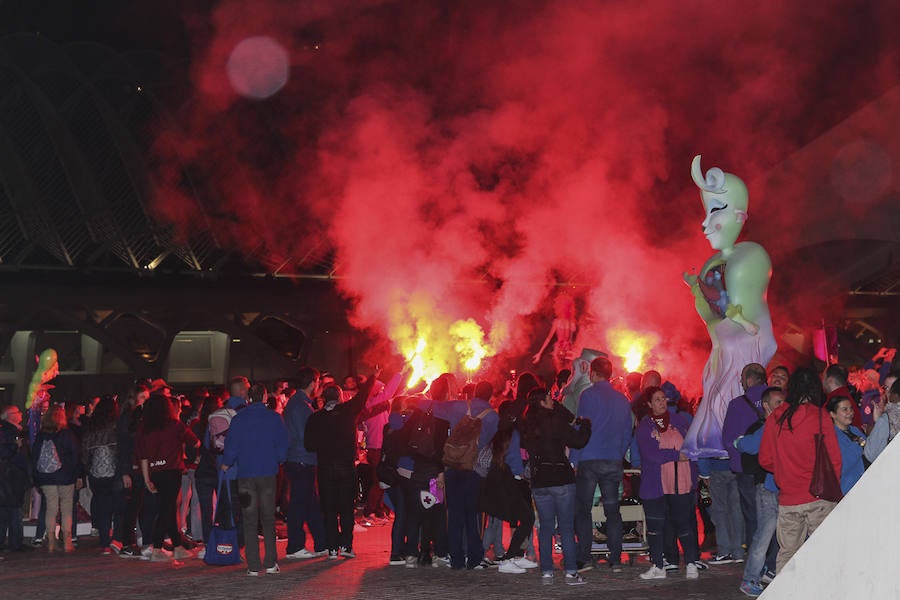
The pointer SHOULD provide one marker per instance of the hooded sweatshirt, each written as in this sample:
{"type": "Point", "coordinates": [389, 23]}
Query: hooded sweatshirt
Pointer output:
{"type": "Point", "coordinates": [790, 452]}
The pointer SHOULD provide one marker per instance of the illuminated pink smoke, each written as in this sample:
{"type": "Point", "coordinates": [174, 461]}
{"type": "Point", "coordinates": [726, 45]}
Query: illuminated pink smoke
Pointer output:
{"type": "Point", "coordinates": [479, 154]}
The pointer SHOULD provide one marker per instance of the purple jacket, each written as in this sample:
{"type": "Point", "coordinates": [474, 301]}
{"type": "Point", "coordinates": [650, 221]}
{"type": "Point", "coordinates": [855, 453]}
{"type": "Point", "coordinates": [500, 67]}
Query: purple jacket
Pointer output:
{"type": "Point", "coordinates": [738, 418]}
{"type": "Point", "coordinates": [653, 458]}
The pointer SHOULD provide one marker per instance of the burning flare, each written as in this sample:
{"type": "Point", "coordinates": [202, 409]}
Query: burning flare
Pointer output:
{"type": "Point", "coordinates": [631, 346]}
{"type": "Point", "coordinates": [433, 344]}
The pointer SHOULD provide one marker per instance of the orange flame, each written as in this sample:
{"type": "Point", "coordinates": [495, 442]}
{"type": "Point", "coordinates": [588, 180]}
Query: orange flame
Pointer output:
{"type": "Point", "coordinates": [631, 346]}
{"type": "Point", "coordinates": [432, 343]}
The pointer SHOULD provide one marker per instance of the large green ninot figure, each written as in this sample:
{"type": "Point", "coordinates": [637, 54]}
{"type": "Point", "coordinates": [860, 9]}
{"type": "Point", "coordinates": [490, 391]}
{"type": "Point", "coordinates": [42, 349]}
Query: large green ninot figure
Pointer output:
{"type": "Point", "coordinates": [730, 297]}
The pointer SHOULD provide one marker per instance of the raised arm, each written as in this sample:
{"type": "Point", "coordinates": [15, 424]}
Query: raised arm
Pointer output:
{"type": "Point", "coordinates": [537, 357]}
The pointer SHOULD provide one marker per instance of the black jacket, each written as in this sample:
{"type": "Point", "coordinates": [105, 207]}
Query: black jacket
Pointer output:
{"type": "Point", "coordinates": [331, 434]}
{"type": "Point", "coordinates": [547, 433]}
{"type": "Point", "coordinates": [15, 466]}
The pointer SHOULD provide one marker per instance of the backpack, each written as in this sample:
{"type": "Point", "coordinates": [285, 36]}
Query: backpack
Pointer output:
{"type": "Point", "coordinates": [483, 462]}
{"type": "Point", "coordinates": [48, 461]}
{"type": "Point", "coordinates": [219, 423]}
{"type": "Point", "coordinates": [461, 448]}
{"type": "Point", "coordinates": [421, 438]}
{"type": "Point", "coordinates": [103, 462]}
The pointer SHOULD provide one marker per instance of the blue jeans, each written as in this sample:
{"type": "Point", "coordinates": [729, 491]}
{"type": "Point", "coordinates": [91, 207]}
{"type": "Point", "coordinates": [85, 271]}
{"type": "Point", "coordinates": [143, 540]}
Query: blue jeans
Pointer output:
{"type": "Point", "coordinates": [462, 492]}
{"type": "Point", "coordinates": [726, 514]}
{"type": "Point", "coordinates": [556, 510]}
{"type": "Point", "coordinates": [493, 536]}
{"type": "Point", "coordinates": [398, 529]}
{"type": "Point", "coordinates": [747, 491]}
{"type": "Point", "coordinates": [676, 508]}
{"type": "Point", "coordinates": [767, 519]}
{"type": "Point", "coordinates": [303, 507]}
{"type": "Point", "coordinates": [608, 475]}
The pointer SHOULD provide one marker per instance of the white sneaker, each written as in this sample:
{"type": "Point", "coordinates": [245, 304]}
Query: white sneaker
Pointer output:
{"type": "Point", "coordinates": [440, 561]}
{"type": "Point", "coordinates": [160, 555]}
{"type": "Point", "coordinates": [654, 572]}
{"type": "Point", "coordinates": [547, 578]}
{"type": "Point", "coordinates": [202, 554]}
{"type": "Point", "coordinates": [302, 553]}
{"type": "Point", "coordinates": [274, 570]}
{"type": "Point", "coordinates": [574, 579]}
{"type": "Point", "coordinates": [509, 566]}
{"type": "Point", "coordinates": [691, 571]}
{"type": "Point", "coordinates": [525, 563]}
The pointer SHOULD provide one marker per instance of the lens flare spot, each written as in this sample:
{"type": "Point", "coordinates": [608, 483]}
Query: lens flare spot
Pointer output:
{"type": "Point", "coordinates": [258, 67]}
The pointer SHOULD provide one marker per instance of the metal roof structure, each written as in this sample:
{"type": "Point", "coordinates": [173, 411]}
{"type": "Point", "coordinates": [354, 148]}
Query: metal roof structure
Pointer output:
{"type": "Point", "coordinates": [76, 214]}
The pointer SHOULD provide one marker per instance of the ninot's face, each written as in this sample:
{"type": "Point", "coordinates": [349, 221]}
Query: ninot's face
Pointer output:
{"type": "Point", "coordinates": [722, 224]}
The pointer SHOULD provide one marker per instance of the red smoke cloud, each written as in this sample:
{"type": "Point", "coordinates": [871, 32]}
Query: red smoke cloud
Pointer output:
{"type": "Point", "coordinates": [471, 156]}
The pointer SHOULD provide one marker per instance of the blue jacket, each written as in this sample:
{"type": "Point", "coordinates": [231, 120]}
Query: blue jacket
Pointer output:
{"type": "Point", "coordinates": [296, 414]}
{"type": "Point", "coordinates": [749, 444]}
{"type": "Point", "coordinates": [257, 442]}
{"type": "Point", "coordinates": [513, 458]}
{"type": "Point", "coordinates": [611, 423]}
{"type": "Point", "coordinates": [738, 418]}
{"type": "Point", "coordinates": [852, 466]}
{"type": "Point", "coordinates": [454, 410]}
{"type": "Point", "coordinates": [707, 465]}
{"type": "Point", "coordinates": [235, 403]}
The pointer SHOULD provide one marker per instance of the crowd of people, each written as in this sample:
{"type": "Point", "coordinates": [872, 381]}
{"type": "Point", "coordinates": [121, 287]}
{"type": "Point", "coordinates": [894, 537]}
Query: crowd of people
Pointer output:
{"type": "Point", "coordinates": [447, 467]}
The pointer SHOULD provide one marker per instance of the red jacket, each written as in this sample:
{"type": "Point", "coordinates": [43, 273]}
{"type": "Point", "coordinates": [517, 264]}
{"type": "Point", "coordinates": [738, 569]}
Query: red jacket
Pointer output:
{"type": "Point", "coordinates": [791, 453]}
{"type": "Point", "coordinates": [164, 449]}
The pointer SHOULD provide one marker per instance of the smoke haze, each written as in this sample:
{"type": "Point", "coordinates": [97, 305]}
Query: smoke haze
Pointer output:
{"type": "Point", "coordinates": [467, 160]}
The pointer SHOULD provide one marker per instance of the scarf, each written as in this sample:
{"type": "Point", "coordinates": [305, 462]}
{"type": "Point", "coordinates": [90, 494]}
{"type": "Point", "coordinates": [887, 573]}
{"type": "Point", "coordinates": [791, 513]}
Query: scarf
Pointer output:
{"type": "Point", "coordinates": [892, 411]}
{"type": "Point", "coordinates": [661, 422]}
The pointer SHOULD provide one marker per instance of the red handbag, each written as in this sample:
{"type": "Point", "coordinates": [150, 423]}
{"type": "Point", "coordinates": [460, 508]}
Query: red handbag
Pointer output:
{"type": "Point", "coordinates": [825, 484]}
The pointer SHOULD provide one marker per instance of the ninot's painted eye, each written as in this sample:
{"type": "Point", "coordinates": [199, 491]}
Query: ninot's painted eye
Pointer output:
{"type": "Point", "coordinates": [717, 208]}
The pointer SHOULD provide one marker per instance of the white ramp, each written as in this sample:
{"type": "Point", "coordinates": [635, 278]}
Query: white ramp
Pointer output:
{"type": "Point", "coordinates": [855, 553]}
